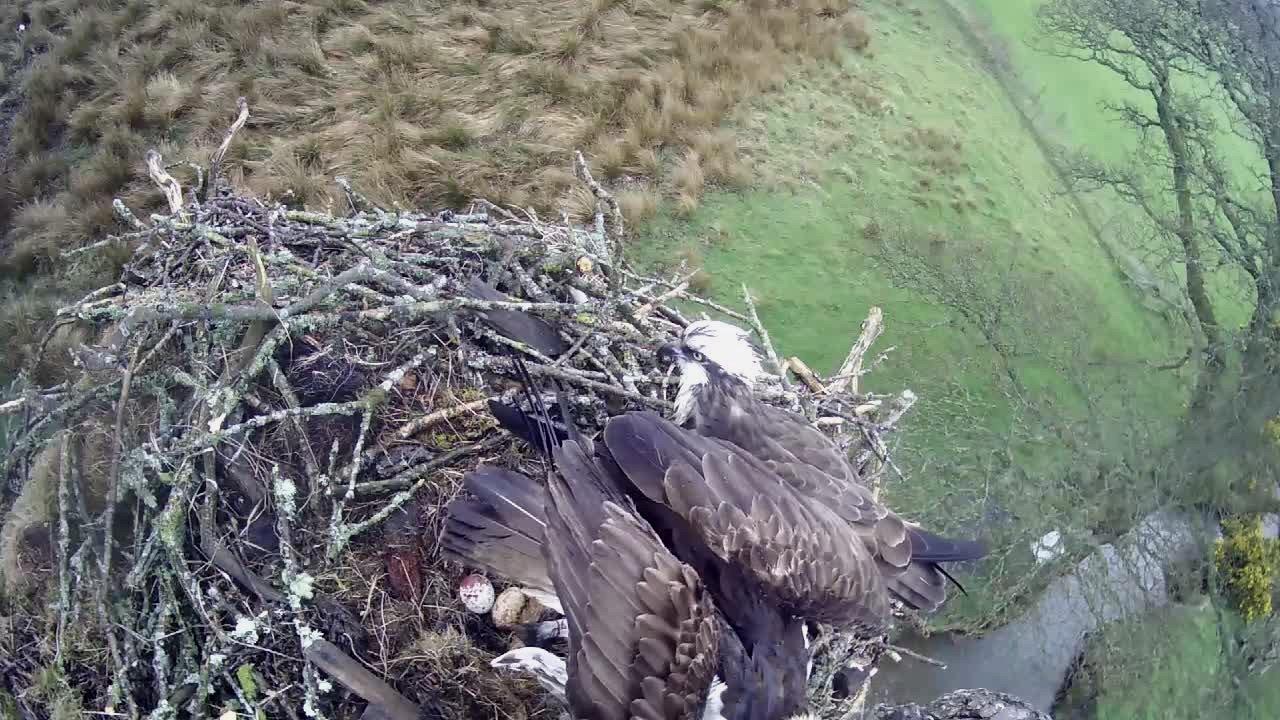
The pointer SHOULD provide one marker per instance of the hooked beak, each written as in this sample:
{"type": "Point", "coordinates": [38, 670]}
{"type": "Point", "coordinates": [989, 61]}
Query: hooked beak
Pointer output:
{"type": "Point", "coordinates": [670, 353]}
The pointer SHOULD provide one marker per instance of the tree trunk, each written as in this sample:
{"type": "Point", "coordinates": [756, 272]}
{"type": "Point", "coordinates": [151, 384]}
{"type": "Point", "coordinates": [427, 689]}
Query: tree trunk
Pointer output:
{"type": "Point", "coordinates": [1264, 316]}
{"type": "Point", "coordinates": [1184, 227]}
{"type": "Point", "coordinates": [1271, 148]}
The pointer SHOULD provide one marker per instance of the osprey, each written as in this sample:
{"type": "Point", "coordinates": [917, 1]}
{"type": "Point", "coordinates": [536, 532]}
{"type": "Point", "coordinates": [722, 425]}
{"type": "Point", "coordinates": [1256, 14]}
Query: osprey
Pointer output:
{"type": "Point", "coordinates": [717, 366]}
{"type": "Point", "coordinates": [659, 537]}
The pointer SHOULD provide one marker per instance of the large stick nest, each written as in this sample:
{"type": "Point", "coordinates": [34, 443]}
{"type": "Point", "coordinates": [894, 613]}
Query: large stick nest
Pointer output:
{"type": "Point", "coordinates": [274, 407]}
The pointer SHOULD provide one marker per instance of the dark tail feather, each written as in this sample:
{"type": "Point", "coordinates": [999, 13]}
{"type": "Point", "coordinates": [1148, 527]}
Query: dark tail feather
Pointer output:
{"type": "Point", "coordinates": [515, 325]}
{"type": "Point", "coordinates": [951, 579]}
{"type": "Point", "coordinates": [529, 428]}
{"type": "Point", "coordinates": [934, 548]}
{"type": "Point", "coordinates": [539, 428]}
{"type": "Point", "coordinates": [923, 585]}
{"type": "Point", "coordinates": [500, 529]}
{"type": "Point", "coordinates": [547, 436]}
{"type": "Point", "coordinates": [566, 414]}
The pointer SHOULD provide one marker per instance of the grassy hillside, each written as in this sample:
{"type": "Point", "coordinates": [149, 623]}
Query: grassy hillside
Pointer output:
{"type": "Point", "coordinates": [429, 104]}
{"type": "Point", "coordinates": [1069, 92]}
{"type": "Point", "coordinates": [1166, 667]}
{"type": "Point", "coordinates": [905, 178]}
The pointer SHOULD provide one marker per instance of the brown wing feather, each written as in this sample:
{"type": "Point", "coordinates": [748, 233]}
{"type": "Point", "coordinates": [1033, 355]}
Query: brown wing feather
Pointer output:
{"type": "Point", "coordinates": [810, 462]}
{"type": "Point", "coordinates": [643, 633]}
{"type": "Point", "coordinates": [499, 527]}
{"type": "Point", "coordinates": [808, 558]}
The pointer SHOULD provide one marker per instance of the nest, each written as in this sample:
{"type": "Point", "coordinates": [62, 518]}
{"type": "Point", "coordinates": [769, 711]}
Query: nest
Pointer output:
{"type": "Point", "coordinates": [244, 482]}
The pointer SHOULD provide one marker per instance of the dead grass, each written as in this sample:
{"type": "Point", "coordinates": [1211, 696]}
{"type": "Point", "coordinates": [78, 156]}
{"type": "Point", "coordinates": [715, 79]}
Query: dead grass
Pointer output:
{"type": "Point", "coordinates": [438, 653]}
{"type": "Point", "coordinates": [718, 153]}
{"type": "Point", "coordinates": [942, 154]}
{"type": "Point", "coordinates": [688, 260]}
{"type": "Point", "coordinates": [689, 179]}
{"type": "Point", "coordinates": [859, 32]}
{"type": "Point", "coordinates": [419, 106]}
{"type": "Point", "coordinates": [415, 105]}
{"type": "Point", "coordinates": [868, 98]}
{"type": "Point", "coordinates": [700, 281]}
{"type": "Point", "coordinates": [638, 205]}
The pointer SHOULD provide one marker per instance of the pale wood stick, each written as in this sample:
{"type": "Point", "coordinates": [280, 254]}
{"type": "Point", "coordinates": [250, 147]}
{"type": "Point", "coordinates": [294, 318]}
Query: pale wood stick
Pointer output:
{"type": "Point", "coordinates": [915, 655]}
{"type": "Point", "coordinates": [846, 379]}
{"type": "Point", "coordinates": [167, 184]}
{"type": "Point", "coordinates": [806, 374]}
{"type": "Point", "coordinates": [764, 337]}
{"type": "Point", "coordinates": [444, 414]}
{"type": "Point", "coordinates": [583, 172]}
{"type": "Point", "coordinates": [679, 288]}
{"type": "Point", "coordinates": [215, 162]}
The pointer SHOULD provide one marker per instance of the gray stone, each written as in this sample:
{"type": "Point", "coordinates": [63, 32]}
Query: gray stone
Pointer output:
{"type": "Point", "coordinates": [1029, 658]}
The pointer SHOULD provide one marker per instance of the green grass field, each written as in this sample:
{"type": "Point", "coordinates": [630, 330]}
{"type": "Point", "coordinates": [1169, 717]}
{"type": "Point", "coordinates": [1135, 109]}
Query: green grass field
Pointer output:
{"type": "Point", "coordinates": [903, 178]}
{"type": "Point", "coordinates": [1168, 667]}
{"type": "Point", "coordinates": [1068, 91]}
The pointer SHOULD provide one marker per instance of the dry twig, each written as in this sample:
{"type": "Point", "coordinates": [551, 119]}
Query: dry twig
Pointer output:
{"type": "Point", "coordinates": [168, 185]}
{"type": "Point", "coordinates": [764, 337]}
{"type": "Point", "coordinates": [846, 379]}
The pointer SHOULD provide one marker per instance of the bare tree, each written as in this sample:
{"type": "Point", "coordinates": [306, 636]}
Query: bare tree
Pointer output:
{"type": "Point", "coordinates": [1166, 50]}
{"type": "Point", "coordinates": [1229, 49]}
{"type": "Point", "coordinates": [1129, 38]}
{"type": "Point", "coordinates": [1239, 42]}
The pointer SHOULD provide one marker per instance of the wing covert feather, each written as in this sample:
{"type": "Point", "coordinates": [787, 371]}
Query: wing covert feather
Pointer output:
{"type": "Point", "coordinates": [811, 463]}
{"type": "Point", "coordinates": [814, 563]}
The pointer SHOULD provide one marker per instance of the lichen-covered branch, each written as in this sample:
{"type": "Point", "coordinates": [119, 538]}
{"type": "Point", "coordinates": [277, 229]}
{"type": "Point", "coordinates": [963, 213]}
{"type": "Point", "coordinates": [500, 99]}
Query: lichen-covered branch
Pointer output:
{"type": "Point", "coordinates": [764, 337]}
{"type": "Point", "coordinates": [963, 705]}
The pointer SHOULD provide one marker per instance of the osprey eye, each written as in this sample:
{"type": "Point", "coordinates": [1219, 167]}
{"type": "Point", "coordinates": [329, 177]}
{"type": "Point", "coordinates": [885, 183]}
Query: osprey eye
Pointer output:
{"type": "Point", "coordinates": [699, 356]}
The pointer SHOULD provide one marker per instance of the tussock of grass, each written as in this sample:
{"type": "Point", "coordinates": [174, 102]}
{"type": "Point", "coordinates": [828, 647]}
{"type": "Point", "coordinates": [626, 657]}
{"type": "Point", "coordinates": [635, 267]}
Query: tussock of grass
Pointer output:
{"type": "Point", "coordinates": [941, 152]}
{"type": "Point", "coordinates": [718, 152]}
{"type": "Point", "coordinates": [578, 203]}
{"type": "Point", "coordinates": [689, 180]}
{"type": "Point", "coordinates": [859, 32]}
{"type": "Point", "coordinates": [638, 205]}
{"type": "Point", "coordinates": [415, 105]}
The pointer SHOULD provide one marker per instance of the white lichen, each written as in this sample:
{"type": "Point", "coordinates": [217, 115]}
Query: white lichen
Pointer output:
{"type": "Point", "coordinates": [311, 695]}
{"type": "Point", "coordinates": [301, 586]}
{"type": "Point", "coordinates": [246, 630]}
{"type": "Point", "coordinates": [307, 635]}
{"type": "Point", "coordinates": [163, 711]}
{"type": "Point", "coordinates": [286, 492]}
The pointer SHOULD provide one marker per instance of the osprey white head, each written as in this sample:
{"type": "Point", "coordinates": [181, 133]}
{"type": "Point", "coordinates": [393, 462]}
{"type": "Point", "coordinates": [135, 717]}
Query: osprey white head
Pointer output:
{"type": "Point", "coordinates": [707, 342]}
